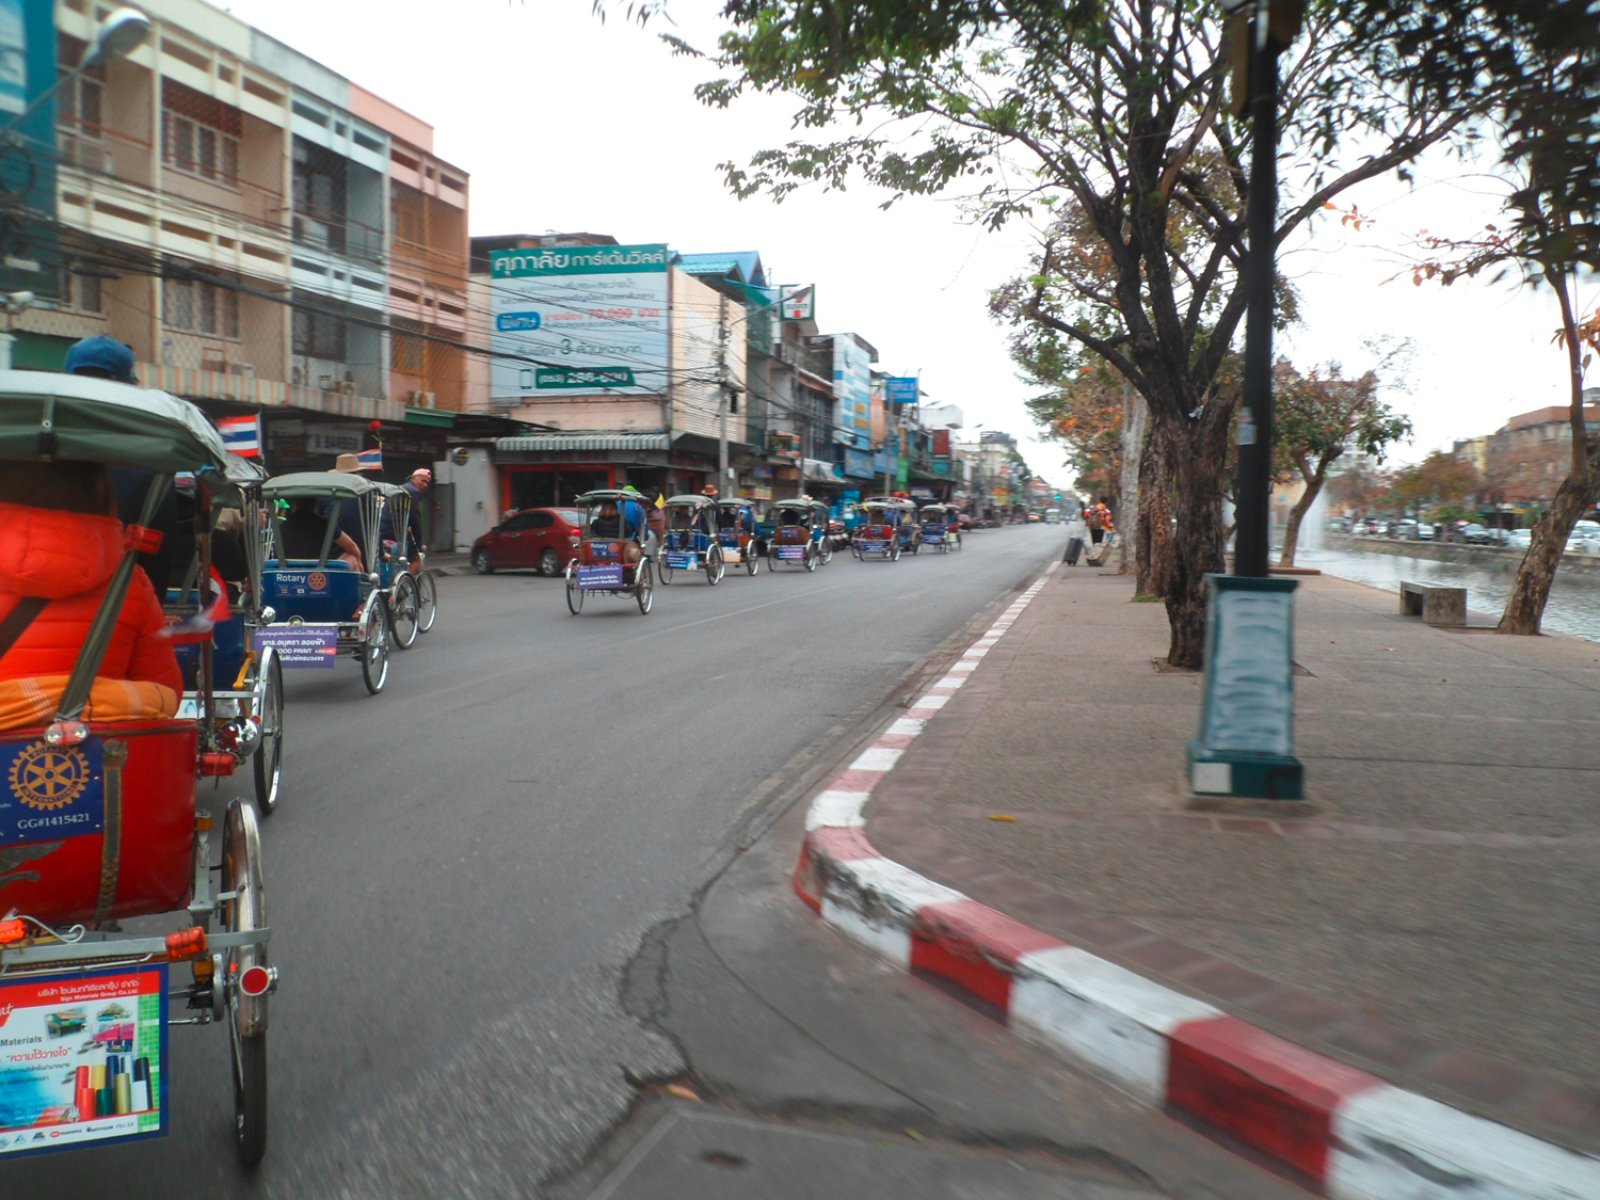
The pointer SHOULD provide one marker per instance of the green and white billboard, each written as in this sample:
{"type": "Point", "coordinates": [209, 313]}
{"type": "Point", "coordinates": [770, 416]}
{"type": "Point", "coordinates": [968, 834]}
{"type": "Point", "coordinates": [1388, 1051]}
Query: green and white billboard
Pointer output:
{"type": "Point", "coordinates": [579, 319]}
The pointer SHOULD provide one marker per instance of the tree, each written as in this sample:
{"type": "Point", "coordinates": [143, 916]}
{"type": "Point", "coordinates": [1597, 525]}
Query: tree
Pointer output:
{"type": "Point", "coordinates": [1438, 479]}
{"type": "Point", "coordinates": [1115, 110]}
{"type": "Point", "coordinates": [1316, 420]}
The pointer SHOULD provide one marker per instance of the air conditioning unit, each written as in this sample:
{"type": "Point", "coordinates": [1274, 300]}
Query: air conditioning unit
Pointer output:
{"type": "Point", "coordinates": [420, 399]}
{"type": "Point", "coordinates": [243, 368]}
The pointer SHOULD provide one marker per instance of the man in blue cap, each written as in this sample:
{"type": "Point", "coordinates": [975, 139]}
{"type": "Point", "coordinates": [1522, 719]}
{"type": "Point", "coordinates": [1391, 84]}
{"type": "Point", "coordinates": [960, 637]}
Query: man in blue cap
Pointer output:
{"type": "Point", "coordinates": [103, 357]}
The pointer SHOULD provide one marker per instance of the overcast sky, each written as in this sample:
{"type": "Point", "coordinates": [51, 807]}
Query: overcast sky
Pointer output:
{"type": "Point", "coordinates": [567, 124]}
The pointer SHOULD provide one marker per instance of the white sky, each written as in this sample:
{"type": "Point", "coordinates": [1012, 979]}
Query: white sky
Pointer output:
{"type": "Point", "coordinates": [565, 123]}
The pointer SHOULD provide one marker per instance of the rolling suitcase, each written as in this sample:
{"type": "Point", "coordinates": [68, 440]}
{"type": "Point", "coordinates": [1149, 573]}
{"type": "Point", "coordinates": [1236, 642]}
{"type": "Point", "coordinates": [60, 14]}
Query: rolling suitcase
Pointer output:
{"type": "Point", "coordinates": [1074, 549]}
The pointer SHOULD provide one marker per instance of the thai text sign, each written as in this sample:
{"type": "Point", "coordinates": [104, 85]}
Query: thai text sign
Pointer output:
{"type": "Point", "coordinates": [82, 1059]}
{"type": "Point", "coordinates": [301, 645]}
{"type": "Point", "coordinates": [579, 319]}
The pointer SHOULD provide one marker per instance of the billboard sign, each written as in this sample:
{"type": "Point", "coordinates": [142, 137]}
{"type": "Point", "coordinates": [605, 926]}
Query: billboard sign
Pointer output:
{"type": "Point", "coordinates": [30, 251]}
{"type": "Point", "coordinates": [579, 319]}
{"type": "Point", "coordinates": [800, 303]}
{"type": "Point", "coordinates": [852, 384]}
{"type": "Point", "coordinates": [902, 389]}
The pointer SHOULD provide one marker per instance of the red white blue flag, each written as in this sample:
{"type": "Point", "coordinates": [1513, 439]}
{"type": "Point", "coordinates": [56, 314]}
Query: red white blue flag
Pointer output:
{"type": "Point", "coordinates": [242, 435]}
{"type": "Point", "coordinates": [198, 628]}
{"type": "Point", "coordinates": [371, 460]}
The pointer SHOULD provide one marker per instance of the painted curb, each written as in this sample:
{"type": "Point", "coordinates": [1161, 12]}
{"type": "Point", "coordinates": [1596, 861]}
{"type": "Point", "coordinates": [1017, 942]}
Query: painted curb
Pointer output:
{"type": "Point", "coordinates": [1346, 1133]}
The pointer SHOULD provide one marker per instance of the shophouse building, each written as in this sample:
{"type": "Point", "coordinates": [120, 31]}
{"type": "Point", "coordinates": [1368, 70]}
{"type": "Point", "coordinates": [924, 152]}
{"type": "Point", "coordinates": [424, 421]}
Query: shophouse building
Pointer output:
{"type": "Point", "coordinates": [267, 236]}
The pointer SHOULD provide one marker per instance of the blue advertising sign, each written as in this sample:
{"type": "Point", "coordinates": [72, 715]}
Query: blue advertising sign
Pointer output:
{"type": "Point", "coordinates": [600, 579]}
{"type": "Point", "coordinates": [901, 389]}
{"type": "Point", "coordinates": [52, 792]}
{"type": "Point", "coordinates": [857, 465]}
{"type": "Point", "coordinates": [301, 645]}
{"type": "Point", "coordinates": [30, 252]}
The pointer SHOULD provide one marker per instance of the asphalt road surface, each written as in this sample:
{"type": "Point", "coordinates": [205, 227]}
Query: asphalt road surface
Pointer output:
{"type": "Point", "coordinates": [480, 880]}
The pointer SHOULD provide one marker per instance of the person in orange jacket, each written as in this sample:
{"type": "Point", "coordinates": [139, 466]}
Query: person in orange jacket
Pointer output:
{"type": "Point", "coordinates": [1098, 518]}
{"type": "Point", "coordinates": [60, 542]}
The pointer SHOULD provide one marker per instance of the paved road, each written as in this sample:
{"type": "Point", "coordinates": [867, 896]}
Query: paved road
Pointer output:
{"type": "Point", "coordinates": [462, 867]}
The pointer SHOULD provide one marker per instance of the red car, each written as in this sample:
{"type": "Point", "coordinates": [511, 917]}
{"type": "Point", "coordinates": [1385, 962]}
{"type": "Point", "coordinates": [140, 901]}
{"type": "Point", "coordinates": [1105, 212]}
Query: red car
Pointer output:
{"type": "Point", "coordinates": [542, 538]}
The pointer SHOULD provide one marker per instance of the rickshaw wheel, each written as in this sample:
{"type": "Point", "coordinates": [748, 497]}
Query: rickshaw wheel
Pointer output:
{"type": "Point", "coordinates": [427, 602]}
{"type": "Point", "coordinates": [809, 560]}
{"type": "Point", "coordinates": [895, 554]}
{"type": "Point", "coordinates": [752, 562]}
{"type": "Point", "coordinates": [375, 649]}
{"type": "Point", "coordinates": [403, 611]}
{"type": "Point", "coordinates": [827, 552]}
{"type": "Point", "coordinates": [247, 1016]}
{"type": "Point", "coordinates": [663, 567]}
{"type": "Point", "coordinates": [714, 567]}
{"type": "Point", "coordinates": [269, 754]}
{"type": "Point", "coordinates": [643, 590]}
{"type": "Point", "coordinates": [574, 593]}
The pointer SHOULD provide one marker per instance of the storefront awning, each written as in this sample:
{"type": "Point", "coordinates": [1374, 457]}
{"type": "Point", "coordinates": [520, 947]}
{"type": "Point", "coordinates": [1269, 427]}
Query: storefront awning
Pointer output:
{"type": "Point", "coordinates": [534, 443]}
{"type": "Point", "coordinates": [814, 470]}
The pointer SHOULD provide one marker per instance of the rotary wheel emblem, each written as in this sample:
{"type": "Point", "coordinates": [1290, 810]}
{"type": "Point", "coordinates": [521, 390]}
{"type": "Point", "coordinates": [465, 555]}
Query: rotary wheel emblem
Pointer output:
{"type": "Point", "coordinates": [316, 581]}
{"type": "Point", "coordinates": [46, 777]}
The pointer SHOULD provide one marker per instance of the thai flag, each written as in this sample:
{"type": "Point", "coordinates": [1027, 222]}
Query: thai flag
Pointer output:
{"type": "Point", "coordinates": [198, 628]}
{"type": "Point", "coordinates": [371, 460]}
{"type": "Point", "coordinates": [242, 435]}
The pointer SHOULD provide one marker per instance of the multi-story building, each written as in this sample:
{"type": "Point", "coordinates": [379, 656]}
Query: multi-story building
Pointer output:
{"type": "Point", "coordinates": [264, 233]}
{"type": "Point", "coordinates": [1526, 459]}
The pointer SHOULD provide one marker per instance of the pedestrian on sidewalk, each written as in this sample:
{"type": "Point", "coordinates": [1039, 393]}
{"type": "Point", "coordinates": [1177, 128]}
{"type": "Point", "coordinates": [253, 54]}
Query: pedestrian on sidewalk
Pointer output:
{"type": "Point", "coordinates": [1098, 518]}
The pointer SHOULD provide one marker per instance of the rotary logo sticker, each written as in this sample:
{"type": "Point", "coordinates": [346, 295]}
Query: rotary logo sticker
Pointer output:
{"type": "Point", "coordinates": [50, 791]}
{"type": "Point", "coordinates": [317, 581]}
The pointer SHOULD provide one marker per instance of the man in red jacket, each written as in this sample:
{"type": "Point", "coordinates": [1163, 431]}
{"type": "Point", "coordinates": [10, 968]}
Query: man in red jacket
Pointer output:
{"type": "Point", "coordinates": [59, 541]}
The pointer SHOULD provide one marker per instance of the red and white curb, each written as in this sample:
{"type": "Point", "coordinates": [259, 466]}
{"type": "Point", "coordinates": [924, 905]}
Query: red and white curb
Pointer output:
{"type": "Point", "coordinates": [1346, 1132]}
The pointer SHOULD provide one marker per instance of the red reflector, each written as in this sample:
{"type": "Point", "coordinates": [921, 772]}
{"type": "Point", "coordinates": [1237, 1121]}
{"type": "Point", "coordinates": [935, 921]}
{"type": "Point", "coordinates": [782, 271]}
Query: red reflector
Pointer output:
{"type": "Point", "coordinates": [255, 981]}
{"type": "Point", "coordinates": [216, 762]}
{"type": "Point", "coordinates": [12, 931]}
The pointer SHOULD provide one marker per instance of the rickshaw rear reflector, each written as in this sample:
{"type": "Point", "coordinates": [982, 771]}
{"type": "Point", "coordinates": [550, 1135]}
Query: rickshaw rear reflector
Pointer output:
{"type": "Point", "coordinates": [66, 733]}
{"type": "Point", "coordinates": [12, 931]}
{"type": "Point", "coordinates": [186, 943]}
{"type": "Point", "coordinates": [257, 980]}
{"type": "Point", "coordinates": [216, 762]}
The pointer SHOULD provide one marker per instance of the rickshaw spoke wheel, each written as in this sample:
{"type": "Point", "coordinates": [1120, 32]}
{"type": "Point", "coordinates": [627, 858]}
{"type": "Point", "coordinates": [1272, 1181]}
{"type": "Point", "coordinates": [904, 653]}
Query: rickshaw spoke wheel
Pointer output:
{"type": "Point", "coordinates": [574, 593]}
{"type": "Point", "coordinates": [375, 650]}
{"type": "Point", "coordinates": [404, 608]}
{"type": "Point", "coordinates": [644, 591]}
{"type": "Point", "coordinates": [427, 602]}
{"type": "Point", "coordinates": [810, 559]}
{"type": "Point", "coordinates": [269, 754]}
{"type": "Point", "coordinates": [241, 876]}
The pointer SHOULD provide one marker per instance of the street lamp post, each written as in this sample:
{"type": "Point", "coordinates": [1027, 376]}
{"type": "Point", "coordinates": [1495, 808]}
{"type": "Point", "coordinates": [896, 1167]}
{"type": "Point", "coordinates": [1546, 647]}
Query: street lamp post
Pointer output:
{"type": "Point", "coordinates": [1245, 747]}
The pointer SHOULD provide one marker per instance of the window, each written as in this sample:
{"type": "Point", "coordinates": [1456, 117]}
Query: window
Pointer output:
{"type": "Point", "coordinates": [406, 213]}
{"type": "Point", "coordinates": [194, 307]}
{"type": "Point", "coordinates": [199, 134]}
{"type": "Point", "coordinates": [541, 520]}
{"type": "Point", "coordinates": [406, 354]}
{"type": "Point", "coordinates": [85, 293]}
{"type": "Point", "coordinates": [318, 335]}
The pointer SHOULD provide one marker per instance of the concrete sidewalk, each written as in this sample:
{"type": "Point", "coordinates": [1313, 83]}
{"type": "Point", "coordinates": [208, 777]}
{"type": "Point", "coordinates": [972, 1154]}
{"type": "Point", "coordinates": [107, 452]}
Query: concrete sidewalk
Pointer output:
{"type": "Point", "coordinates": [1432, 926]}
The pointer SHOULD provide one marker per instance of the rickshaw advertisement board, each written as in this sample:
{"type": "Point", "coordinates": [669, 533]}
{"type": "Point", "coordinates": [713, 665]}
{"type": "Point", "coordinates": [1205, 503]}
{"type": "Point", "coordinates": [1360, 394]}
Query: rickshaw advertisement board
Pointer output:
{"type": "Point", "coordinates": [301, 645]}
{"type": "Point", "coordinates": [606, 578]}
{"type": "Point", "coordinates": [83, 1059]}
{"type": "Point", "coordinates": [51, 792]}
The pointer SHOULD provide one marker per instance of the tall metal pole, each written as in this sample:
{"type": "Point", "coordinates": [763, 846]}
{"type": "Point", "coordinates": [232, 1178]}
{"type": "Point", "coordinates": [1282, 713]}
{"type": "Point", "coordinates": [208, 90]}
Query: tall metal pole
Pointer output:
{"type": "Point", "coordinates": [1261, 220]}
{"type": "Point", "coordinates": [722, 399]}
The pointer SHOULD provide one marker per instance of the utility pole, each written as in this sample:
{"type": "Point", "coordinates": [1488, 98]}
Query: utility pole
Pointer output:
{"type": "Point", "coordinates": [724, 391]}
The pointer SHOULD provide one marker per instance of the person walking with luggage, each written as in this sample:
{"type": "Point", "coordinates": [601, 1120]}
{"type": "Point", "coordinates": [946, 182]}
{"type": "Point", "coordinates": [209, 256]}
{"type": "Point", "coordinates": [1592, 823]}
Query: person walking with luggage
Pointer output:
{"type": "Point", "coordinates": [1098, 518]}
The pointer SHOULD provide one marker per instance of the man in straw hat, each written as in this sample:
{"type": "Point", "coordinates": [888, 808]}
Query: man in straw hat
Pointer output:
{"type": "Point", "coordinates": [350, 531]}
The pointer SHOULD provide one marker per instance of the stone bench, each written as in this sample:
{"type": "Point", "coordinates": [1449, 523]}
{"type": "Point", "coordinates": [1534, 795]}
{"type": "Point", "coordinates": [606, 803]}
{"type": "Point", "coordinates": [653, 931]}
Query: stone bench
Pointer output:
{"type": "Point", "coordinates": [1435, 605]}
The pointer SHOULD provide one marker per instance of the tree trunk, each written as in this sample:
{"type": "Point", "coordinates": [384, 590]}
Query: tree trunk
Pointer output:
{"type": "Point", "coordinates": [1135, 420]}
{"type": "Point", "coordinates": [1155, 546]}
{"type": "Point", "coordinates": [1197, 465]}
{"type": "Point", "coordinates": [1531, 590]}
{"type": "Point", "coordinates": [1291, 531]}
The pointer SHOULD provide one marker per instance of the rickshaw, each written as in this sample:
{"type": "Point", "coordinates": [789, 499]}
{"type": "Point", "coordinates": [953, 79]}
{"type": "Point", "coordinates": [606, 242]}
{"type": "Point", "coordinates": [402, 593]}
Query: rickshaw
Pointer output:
{"type": "Point", "coordinates": [610, 554]}
{"type": "Point", "coordinates": [691, 542]}
{"type": "Point", "coordinates": [941, 527]}
{"type": "Point", "coordinates": [248, 696]}
{"type": "Point", "coordinates": [737, 535]}
{"type": "Point", "coordinates": [878, 535]}
{"type": "Point", "coordinates": [402, 588]}
{"type": "Point", "coordinates": [101, 823]}
{"type": "Point", "coordinates": [801, 534]}
{"type": "Point", "coordinates": [325, 607]}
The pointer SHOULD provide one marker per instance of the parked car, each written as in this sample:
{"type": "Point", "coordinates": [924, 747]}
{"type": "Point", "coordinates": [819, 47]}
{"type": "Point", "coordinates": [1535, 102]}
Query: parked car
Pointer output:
{"type": "Point", "coordinates": [1585, 538]}
{"type": "Point", "coordinates": [1520, 539]}
{"type": "Point", "coordinates": [545, 539]}
{"type": "Point", "coordinates": [1476, 535]}
{"type": "Point", "coordinates": [1422, 531]}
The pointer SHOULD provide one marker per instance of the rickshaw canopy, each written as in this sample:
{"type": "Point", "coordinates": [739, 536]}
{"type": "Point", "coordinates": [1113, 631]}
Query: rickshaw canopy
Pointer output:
{"type": "Point", "coordinates": [691, 500]}
{"type": "Point", "coordinates": [46, 417]}
{"type": "Point", "coordinates": [320, 484]}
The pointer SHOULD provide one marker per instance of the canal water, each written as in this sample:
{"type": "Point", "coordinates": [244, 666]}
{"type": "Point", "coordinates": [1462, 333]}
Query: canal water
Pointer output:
{"type": "Point", "coordinates": [1574, 606]}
